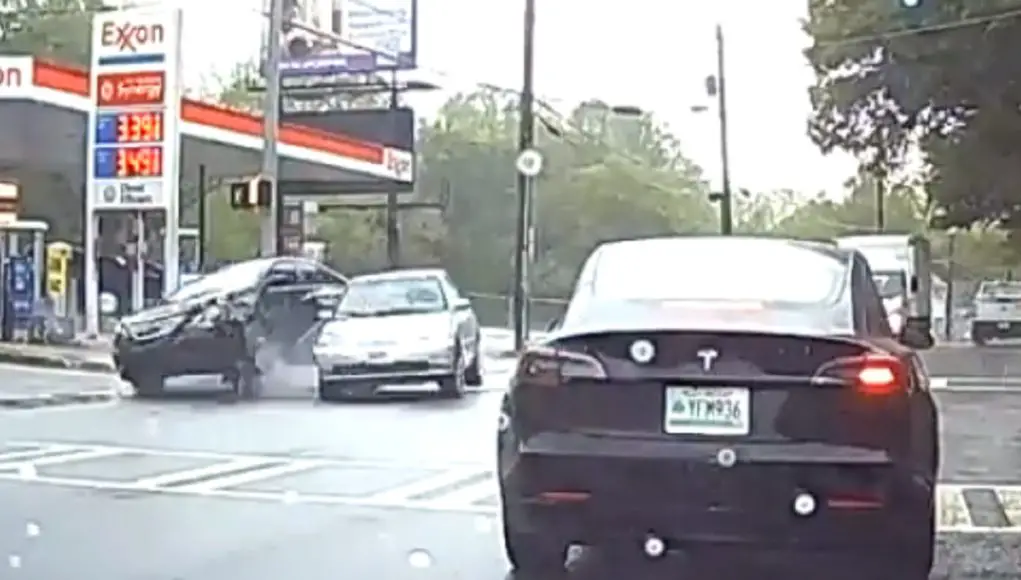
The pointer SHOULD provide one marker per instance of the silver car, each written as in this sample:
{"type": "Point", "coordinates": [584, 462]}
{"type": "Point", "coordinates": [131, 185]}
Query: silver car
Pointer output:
{"type": "Point", "coordinates": [398, 332]}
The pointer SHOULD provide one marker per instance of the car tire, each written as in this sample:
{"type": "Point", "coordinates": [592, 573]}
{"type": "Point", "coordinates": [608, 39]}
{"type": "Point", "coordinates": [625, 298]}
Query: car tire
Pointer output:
{"type": "Point", "coordinates": [453, 387]}
{"type": "Point", "coordinates": [473, 374]}
{"type": "Point", "coordinates": [914, 560]}
{"type": "Point", "coordinates": [147, 386]}
{"type": "Point", "coordinates": [532, 554]}
{"type": "Point", "coordinates": [326, 394]}
{"type": "Point", "coordinates": [978, 337]}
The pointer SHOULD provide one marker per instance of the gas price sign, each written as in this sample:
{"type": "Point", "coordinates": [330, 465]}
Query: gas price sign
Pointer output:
{"type": "Point", "coordinates": [129, 162]}
{"type": "Point", "coordinates": [129, 127]}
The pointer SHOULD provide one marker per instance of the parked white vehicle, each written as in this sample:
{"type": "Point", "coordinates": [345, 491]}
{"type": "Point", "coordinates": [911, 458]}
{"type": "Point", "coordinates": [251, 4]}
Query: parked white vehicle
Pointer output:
{"type": "Point", "coordinates": [890, 258]}
{"type": "Point", "coordinates": [997, 311]}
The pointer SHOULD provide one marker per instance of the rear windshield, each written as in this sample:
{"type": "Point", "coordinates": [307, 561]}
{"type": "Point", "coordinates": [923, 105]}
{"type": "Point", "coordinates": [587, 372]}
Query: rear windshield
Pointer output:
{"type": "Point", "coordinates": [729, 270]}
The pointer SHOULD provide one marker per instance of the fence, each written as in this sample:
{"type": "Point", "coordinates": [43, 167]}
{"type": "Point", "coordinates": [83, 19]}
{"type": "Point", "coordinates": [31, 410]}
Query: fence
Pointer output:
{"type": "Point", "coordinates": [496, 310]}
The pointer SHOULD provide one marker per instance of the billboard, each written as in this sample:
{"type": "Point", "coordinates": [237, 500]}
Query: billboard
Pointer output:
{"type": "Point", "coordinates": [377, 35]}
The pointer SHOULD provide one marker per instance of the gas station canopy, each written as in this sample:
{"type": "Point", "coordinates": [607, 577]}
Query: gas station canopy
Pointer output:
{"type": "Point", "coordinates": [44, 111]}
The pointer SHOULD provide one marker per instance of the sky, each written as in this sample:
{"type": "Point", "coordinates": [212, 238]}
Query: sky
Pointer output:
{"type": "Point", "coordinates": [651, 54]}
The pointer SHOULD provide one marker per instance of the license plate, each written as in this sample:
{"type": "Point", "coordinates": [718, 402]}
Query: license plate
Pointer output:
{"type": "Point", "coordinates": [408, 388]}
{"type": "Point", "coordinates": [1003, 325]}
{"type": "Point", "coordinates": [377, 356]}
{"type": "Point", "coordinates": [707, 411]}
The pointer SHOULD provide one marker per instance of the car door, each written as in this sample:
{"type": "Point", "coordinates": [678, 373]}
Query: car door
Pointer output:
{"type": "Point", "coordinates": [464, 315]}
{"type": "Point", "coordinates": [923, 417]}
{"type": "Point", "coordinates": [277, 301]}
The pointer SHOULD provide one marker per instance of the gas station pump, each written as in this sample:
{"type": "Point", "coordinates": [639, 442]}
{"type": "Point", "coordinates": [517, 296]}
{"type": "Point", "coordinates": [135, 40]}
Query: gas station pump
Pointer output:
{"type": "Point", "coordinates": [58, 258]}
{"type": "Point", "coordinates": [21, 266]}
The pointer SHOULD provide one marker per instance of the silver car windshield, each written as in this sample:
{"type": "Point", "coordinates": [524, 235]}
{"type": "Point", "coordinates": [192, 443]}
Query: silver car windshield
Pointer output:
{"type": "Point", "coordinates": [390, 296]}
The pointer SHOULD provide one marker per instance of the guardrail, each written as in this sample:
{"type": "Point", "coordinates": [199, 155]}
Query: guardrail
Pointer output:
{"type": "Point", "coordinates": [495, 310]}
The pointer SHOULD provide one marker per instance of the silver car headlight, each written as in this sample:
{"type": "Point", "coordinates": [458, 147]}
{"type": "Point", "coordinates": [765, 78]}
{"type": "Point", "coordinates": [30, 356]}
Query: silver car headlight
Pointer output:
{"type": "Point", "coordinates": [436, 347]}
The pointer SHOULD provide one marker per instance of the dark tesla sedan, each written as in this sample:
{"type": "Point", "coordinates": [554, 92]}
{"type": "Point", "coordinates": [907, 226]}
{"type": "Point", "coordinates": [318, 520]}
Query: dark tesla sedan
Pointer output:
{"type": "Point", "coordinates": [210, 326]}
{"type": "Point", "coordinates": [719, 401]}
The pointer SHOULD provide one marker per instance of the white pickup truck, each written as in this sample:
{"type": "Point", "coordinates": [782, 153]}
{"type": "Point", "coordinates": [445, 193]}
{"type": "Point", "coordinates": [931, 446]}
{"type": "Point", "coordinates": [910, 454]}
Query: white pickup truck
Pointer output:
{"type": "Point", "coordinates": [997, 311]}
{"type": "Point", "coordinates": [891, 258]}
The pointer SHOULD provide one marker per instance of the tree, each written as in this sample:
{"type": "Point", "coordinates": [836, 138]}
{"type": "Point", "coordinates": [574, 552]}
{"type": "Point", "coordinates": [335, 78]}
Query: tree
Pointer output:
{"type": "Point", "coordinates": [605, 178]}
{"type": "Point", "coordinates": [941, 75]}
{"type": "Point", "coordinates": [58, 30]}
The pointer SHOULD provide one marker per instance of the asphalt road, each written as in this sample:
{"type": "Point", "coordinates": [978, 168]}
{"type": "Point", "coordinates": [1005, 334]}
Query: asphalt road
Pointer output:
{"type": "Point", "coordinates": [201, 490]}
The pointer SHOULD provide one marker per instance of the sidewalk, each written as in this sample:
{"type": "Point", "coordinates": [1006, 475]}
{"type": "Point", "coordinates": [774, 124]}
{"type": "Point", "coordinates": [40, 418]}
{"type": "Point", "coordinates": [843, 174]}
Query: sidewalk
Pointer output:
{"type": "Point", "coordinates": [88, 356]}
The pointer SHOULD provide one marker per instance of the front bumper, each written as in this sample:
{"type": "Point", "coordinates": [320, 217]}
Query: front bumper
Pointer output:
{"type": "Point", "coordinates": [997, 328]}
{"type": "Point", "coordinates": [174, 354]}
{"type": "Point", "coordinates": [626, 489]}
{"type": "Point", "coordinates": [340, 366]}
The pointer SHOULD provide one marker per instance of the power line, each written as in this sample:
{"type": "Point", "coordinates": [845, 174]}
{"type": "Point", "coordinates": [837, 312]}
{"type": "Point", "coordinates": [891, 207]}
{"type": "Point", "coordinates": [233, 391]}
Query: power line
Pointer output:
{"type": "Point", "coordinates": [917, 30]}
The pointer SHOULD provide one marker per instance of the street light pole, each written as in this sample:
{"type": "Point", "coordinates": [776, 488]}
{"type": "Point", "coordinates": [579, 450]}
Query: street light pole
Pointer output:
{"type": "Point", "coordinates": [526, 141]}
{"type": "Point", "coordinates": [726, 197]}
{"type": "Point", "coordinates": [271, 126]}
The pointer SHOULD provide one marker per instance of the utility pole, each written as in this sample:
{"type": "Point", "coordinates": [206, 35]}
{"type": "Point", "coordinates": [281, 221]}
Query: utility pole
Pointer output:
{"type": "Point", "coordinates": [726, 196]}
{"type": "Point", "coordinates": [271, 126]}
{"type": "Point", "coordinates": [880, 181]}
{"type": "Point", "coordinates": [526, 142]}
{"type": "Point", "coordinates": [393, 233]}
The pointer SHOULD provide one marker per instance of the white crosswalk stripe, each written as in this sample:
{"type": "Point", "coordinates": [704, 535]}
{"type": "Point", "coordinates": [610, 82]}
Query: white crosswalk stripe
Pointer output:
{"type": "Point", "coordinates": [962, 508]}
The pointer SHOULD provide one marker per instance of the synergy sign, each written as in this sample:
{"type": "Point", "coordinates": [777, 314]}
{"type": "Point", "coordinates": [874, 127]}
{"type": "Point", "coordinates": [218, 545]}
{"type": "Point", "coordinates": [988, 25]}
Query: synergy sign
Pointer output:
{"type": "Point", "coordinates": [133, 133]}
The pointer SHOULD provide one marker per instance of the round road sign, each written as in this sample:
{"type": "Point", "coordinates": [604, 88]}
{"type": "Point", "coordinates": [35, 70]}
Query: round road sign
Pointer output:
{"type": "Point", "coordinates": [529, 163]}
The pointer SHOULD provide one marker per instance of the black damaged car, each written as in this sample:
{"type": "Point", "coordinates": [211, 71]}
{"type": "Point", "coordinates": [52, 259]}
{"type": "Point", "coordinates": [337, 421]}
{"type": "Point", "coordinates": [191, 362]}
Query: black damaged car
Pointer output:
{"type": "Point", "coordinates": [217, 324]}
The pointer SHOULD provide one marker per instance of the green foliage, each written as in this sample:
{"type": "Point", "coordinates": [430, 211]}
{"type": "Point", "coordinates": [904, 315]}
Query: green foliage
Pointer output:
{"type": "Point", "coordinates": [944, 76]}
{"type": "Point", "coordinates": [57, 30]}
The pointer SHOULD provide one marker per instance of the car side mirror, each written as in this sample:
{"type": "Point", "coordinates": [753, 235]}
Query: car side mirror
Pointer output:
{"type": "Point", "coordinates": [916, 333]}
{"type": "Point", "coordinates": [553, 324]}
{"type": "Point", "coordinates": [462, 304]}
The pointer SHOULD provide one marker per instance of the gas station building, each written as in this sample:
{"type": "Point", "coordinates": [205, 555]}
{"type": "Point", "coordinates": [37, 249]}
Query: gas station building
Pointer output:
{"type": "Point", "coordinates": [44, 113]}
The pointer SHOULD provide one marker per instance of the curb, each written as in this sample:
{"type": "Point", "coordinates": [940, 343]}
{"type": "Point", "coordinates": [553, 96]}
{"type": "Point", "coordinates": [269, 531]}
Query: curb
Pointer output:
{"type": "Point", "coordinates": [55, 362]}
{"type": "Point", "coordinates": [26, 402]}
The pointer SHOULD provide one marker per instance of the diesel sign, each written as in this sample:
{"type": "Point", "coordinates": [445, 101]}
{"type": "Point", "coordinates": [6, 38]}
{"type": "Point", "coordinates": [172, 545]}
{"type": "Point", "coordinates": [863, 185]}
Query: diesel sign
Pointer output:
{"type": "Point", "coordinates": [142, 195]}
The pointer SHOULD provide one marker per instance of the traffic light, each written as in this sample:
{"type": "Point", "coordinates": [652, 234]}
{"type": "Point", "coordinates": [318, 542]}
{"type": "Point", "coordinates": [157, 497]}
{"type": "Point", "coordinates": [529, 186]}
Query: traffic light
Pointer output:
{"type": "Point", "coordinates": [252, 194]}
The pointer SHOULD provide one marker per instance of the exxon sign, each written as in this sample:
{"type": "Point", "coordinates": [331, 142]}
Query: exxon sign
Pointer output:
{"type": "Point", "coordinates": [132, 37]}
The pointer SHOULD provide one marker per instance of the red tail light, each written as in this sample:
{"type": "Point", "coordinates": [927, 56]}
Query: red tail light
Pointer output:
{"type": "Point", "coordinates": [872, 374]}
{"type": "Point", "coordinates": [549, 367]}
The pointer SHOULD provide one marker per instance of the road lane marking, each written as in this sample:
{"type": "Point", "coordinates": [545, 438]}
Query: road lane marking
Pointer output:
{"type": "Point", "coordinates": [83, 455]}
{"type": "Point", "coordinates": [425, 486]}
{"type": "Point", "coordinates": [252, 476]}
{"type": "Point", "coordinates": [470, 495]}
{"type": "Point", "coordinates": [201, 474]}
{"type": "Point", "coordinates": [352, 462]}
{"type": "Point", "coordinates": [20, 456]}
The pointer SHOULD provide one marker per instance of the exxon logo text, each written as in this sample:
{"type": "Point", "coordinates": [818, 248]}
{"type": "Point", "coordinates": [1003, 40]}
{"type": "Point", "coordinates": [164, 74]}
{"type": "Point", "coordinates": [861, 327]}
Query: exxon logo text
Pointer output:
{"type": "Point", "coordinates": [10, 77]}
{"type": "Point", "coordinates": [131, 37]}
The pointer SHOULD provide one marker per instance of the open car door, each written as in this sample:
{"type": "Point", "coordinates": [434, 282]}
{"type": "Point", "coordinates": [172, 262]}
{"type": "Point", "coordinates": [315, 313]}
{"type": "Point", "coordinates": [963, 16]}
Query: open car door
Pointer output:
{"type": "Point", "coordinates": [289, 308]}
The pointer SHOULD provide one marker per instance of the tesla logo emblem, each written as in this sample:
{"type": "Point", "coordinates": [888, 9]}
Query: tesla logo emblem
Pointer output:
{"type": "Point", "coordinates": [708, 357]}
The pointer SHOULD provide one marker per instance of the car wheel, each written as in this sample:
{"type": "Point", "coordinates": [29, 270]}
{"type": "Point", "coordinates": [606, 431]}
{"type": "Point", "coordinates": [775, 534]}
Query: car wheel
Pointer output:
{"type": "Point", "coordinates": [327, 393]}
{"type": "Point", "coordinates": [532, 554]}
{"type": "Point", "coordinates": [452, 387]}
{"type": "Point", "coordinates": [978, 337]}
{"type": "Point", "coordinates": [473, 374]}
{"type": "Point", "coordinates": [147, 385]}
{"type": "Point", "coordinates": [913, 561]}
